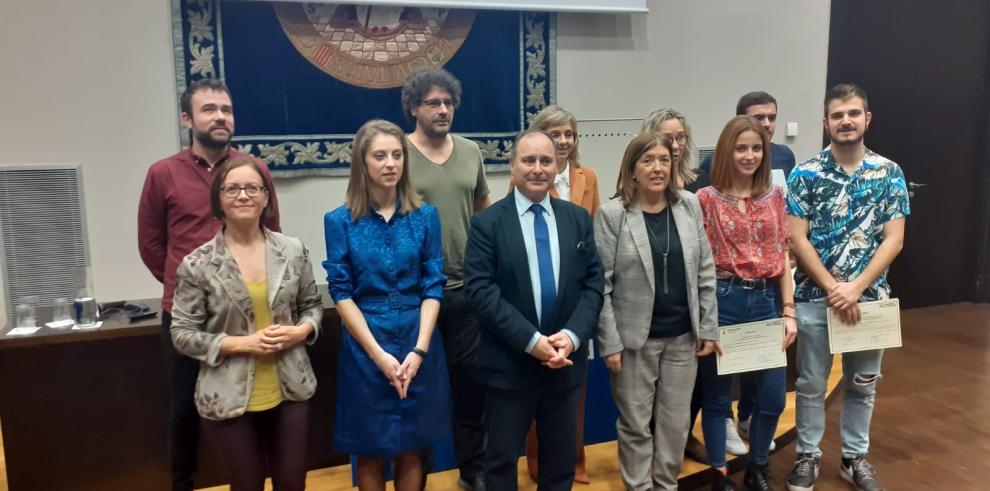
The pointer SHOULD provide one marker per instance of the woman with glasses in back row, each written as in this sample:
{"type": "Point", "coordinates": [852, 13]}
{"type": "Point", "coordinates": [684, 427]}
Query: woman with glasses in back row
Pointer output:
{"type": "Point", "coordinates": [672, 124]}
{"type": "Point", "coordinates": [245, 306]}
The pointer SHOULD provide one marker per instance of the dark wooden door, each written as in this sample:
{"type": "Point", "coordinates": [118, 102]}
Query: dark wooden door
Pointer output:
{"type": "Point", "coordinates": [925, 67]}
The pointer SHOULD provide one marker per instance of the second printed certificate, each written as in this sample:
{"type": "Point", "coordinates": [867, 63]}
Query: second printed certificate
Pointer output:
{"type": "Point", "coordinates": [879, 327]}
{"type": "Point", "coordinates": [751, 346]}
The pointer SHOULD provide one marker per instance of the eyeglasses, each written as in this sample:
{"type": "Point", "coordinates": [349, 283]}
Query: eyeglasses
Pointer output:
{"type": "Point", "coordinates": [681, 139]}
{"type": "Point", "coordinates": [252, 190]}
{"type": "Point", "coordinates": [648, 163]}
{"type": "Point", "coordinates": [434, 104]}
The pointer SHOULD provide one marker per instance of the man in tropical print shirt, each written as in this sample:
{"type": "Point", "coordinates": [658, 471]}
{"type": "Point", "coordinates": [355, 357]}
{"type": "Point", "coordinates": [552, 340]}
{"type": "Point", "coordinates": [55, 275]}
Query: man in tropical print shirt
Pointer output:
{"type": "Point", "coordinates": [848, 206]}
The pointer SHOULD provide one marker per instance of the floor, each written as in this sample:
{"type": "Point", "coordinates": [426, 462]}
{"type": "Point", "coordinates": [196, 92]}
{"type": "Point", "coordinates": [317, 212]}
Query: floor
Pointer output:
{"type": "Point", "coordinates": [931, 422]}
{"type": "Point", "coordinates": [931, 426]}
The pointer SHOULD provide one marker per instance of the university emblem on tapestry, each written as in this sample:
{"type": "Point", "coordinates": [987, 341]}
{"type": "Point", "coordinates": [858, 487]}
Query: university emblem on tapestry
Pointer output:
{"type": "Point", "coordinates": [305, 76]}
{"type": "Point", "coordinates": [373, 46]}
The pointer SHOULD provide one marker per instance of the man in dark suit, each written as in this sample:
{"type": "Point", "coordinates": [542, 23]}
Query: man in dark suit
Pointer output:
{"type": "Point", "coordinates": [533, 276]}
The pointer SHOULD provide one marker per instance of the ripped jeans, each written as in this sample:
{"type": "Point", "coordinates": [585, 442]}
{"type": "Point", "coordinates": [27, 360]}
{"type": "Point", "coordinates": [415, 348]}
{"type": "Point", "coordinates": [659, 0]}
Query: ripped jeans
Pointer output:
{"type": "Point", "coordinates": [860, 372]}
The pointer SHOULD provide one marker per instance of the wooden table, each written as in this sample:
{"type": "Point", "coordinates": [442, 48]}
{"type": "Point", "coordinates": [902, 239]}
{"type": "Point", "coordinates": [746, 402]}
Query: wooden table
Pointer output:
{"type": "Point", "coordinates": [88, 409]}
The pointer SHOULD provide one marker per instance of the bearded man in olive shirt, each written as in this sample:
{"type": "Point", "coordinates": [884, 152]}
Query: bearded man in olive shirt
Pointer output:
{"type": "Point", "coordinates": [448, 172]}
{"type": "Point", "coordinates": [174, 218]}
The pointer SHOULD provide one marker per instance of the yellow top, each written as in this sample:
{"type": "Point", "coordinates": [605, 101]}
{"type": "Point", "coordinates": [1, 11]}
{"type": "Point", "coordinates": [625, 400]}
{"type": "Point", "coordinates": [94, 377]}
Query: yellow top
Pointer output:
{"type": "Point", "coordinates": [265, 393]}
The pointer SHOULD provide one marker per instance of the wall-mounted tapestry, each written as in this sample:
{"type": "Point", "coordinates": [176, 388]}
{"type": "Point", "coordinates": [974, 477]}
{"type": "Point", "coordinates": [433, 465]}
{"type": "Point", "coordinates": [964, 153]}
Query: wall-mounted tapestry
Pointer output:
{"type": "Point", "coordinates": [305, 76]}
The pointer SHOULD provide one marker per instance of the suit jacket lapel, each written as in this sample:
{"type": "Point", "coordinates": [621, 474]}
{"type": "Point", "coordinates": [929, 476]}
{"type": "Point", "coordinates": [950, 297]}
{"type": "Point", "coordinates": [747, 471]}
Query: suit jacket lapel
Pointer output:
{"type": "Point", "coordinates": [275, 266]}
{"type": "Point", "coordinates": [230, 277]}
{"type": "Point", "coordinates": [567, 244]}
{"type": "Point", "coordinates": [516, 248]}
{"type": "Point", "coordinates": [684, 224]}
{"type": "Point", "coordinates": [637, 227]}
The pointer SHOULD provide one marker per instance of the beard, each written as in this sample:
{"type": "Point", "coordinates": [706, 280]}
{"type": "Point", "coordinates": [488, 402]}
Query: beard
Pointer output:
{"type": "Point", "coordinates": [434, 134]}
{"type": "Point", "coordinates": [848, 143]}
{"type": "Point", "coordinates": [428, 128]}
{"type": "Point", "coordinates": [840, 139]}
{"type": "Point", "coordinates": [207, 140]}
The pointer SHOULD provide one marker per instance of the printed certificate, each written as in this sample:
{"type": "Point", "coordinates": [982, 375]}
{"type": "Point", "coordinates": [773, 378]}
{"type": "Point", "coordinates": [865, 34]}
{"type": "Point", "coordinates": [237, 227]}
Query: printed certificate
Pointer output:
{"type": "Point", "coordinates": [751, 346]}
{"type": "Point", "coordinates": [879, 328]}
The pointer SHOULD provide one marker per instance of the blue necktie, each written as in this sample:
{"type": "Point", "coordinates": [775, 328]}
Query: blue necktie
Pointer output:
{"type": "Point", "coordinates": [548, 289]}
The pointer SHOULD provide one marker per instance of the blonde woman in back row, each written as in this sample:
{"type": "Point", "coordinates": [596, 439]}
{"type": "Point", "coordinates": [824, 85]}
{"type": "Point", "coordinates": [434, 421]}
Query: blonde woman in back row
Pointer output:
{"type": "Point", "coordinates": [674, 126]}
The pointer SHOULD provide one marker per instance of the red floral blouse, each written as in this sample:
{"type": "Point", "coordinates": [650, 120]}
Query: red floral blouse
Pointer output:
{"type": "Point", "coordinates": [750, 244]}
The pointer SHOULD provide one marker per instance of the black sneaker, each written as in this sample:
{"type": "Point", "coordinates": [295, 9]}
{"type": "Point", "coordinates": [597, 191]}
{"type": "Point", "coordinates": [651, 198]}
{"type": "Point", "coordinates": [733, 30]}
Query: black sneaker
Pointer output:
{"type": "Point", "coordinates": [805, 472]}
{"type": "Point", "coordinates": [858, 472]}
{"type": "Point", "coordinates": [757, 478]}
{"type": "Point", "coordinates": [721, 482]}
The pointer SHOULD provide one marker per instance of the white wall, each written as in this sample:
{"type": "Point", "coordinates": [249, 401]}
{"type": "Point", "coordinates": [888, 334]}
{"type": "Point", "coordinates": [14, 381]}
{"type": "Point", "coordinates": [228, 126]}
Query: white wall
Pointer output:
{"type": "Point", "coordinates": [92, 82]}
{"type": "Point", "coordinates": [697, 57]}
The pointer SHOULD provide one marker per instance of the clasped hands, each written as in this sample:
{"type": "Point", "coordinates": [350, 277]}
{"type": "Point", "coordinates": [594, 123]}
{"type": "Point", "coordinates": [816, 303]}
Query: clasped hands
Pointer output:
{"type": "Point", "coordinates": [553, 350]}
{"type": "Point", "coordinates": [271, 339]}
{"type": "Point", "coordinates": [843, 297]}
{"type": "Point", "coordinates": [399, 376]}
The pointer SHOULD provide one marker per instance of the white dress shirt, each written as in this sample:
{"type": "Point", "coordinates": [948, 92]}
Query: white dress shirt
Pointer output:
{"type": "Point", "coordinates": [526, 221]}
{"type": "Point", "coordinates": [562, 183]}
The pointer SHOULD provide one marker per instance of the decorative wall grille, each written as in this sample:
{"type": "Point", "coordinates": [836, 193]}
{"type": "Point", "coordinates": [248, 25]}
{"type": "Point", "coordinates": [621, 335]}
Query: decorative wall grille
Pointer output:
{"type": "Point", "coordinates": [43, 240]}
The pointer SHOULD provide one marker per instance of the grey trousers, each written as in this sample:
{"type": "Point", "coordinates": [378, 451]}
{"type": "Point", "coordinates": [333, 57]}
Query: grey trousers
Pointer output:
{"type": "Point", "coordinates": [655, 384]}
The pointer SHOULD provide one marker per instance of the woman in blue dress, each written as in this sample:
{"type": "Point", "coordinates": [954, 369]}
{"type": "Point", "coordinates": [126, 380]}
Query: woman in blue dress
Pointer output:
{"type": "Point", "coordinates": [385, 273]}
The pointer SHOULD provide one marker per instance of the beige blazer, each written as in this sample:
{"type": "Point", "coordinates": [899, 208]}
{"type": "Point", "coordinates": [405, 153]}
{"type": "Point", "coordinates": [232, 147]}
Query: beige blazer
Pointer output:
{"type": "Point", "coordinates": [212, 302]}
{"type": "Point", "coordinates": [630, 287]}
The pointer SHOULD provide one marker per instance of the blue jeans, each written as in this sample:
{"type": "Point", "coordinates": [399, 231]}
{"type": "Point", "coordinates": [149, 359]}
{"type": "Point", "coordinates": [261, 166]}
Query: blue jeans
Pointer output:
{"type": "Point", "coordinates": [737, 305]}
{"type": "Point", "coordinates": [747, 397]}
{"type": "Point", "coordinates": [860, 372]}
{"type": "Point", "coordinates": [747, 387]}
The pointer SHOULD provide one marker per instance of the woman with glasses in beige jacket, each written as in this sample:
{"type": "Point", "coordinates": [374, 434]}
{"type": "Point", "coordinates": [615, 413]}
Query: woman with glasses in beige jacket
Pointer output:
{"type": "Point", "coordinates": [245, 306]}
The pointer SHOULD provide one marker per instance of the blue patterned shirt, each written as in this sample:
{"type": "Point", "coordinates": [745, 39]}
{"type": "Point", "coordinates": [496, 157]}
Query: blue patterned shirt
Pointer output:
{"type": "Point", "coordinates": [384, 264]}
{"type": "Point", "coordinates": [845, 215]}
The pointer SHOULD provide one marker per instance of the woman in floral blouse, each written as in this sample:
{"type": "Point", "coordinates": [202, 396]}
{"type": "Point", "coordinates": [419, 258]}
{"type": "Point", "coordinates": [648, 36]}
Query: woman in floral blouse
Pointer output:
{"type": "Point", "coordinates": [746, 223]}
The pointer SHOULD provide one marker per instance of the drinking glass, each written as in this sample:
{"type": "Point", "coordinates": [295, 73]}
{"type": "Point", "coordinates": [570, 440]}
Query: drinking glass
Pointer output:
{"type": "Point", "coordinates": [25, 311]}
{"type": "Point", "coordinates": [62, 312]}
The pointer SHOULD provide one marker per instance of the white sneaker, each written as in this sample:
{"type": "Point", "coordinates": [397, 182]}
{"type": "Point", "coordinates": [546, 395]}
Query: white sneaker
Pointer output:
{"type": "Point", "coordinates": [744, 432]}
{"type": "Point", "coordinates": [733, 444]}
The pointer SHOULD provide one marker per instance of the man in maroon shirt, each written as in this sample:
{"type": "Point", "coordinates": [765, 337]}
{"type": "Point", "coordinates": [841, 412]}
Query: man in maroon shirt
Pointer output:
{"type": "Point", "coordinates": [174, 218]}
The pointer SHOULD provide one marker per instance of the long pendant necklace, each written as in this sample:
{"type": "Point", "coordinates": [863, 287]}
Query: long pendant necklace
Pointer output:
{"type": "Point", "coordinates": [666, 285]}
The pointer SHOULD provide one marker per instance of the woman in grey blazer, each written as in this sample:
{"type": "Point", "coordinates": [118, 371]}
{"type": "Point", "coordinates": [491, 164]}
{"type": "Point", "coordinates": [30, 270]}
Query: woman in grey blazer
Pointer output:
{"type": "Point", "coordinates": [659, 311]}
{"type": "Point", "coordinates": [245, 303]}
